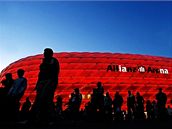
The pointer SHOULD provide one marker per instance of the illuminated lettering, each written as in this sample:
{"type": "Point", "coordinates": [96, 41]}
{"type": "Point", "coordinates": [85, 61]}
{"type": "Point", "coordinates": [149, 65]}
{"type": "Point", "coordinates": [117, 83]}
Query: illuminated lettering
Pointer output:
{"type": "Point", "coordinates": [163, 71]}
{"type": "Point", "coordinates": [124, 69]}
{"type": "Point", "coordinates": [141, 69]}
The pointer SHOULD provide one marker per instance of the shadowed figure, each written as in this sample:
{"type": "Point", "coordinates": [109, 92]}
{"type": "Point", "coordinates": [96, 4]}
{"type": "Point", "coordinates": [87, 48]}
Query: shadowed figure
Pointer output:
{"type": "Point", "coordinates": [7, 84]}
{"type": "Point", "coordinates": [58, 105]}
{"type": "Point", "coordinates": [78, 99]}
{"type": "Point", "coordinates": [161, 104]}
{"type": "Point", "coordinates": [139, 106]}
{"type": "Point", "coordinates": [108, 107]}
{"type": "Point", "coordinates": [43, 107]}
{"type": "Point", "coordinates": [25, 109]}
{"type": "Point", "coordinates": [131, 105]}
{"type": "Point", "coordinates": [77, 103]}
{"type": "Point", "coordinates": [16, 92]}
{"type": "Point", "coordinates": [19, 86]}
{"type": "Point", "coordinates": [154, 109]}
{"type": "Point", "coordinates": [149, 109]}
{"type": "Point", "coordinates": [91, 107]}
{"type": "Point", "coordinates": [72, 111]}
{"type": "Point", "coordinates": [100, 97]}
{"type": "Point", "coordinates": [117, 103]}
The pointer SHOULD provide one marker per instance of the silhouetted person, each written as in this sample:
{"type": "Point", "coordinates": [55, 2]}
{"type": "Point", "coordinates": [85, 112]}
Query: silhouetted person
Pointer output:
{"type": "Point", "coordinates": [87, 111]}
{"type": "Point", "coordinates": [108, 106]}
{"type": "Point", "coordinates": [155, 110]}
{"type": "Point", "coordinates": [70, 104]}
{"type": "Point", "coordinates": [161, 103]}
{"type": "Point", "coordinates": [77, 99]}
{"type": "Point", "coordinates": [17, 91]}
{"type": "Point", "coordinates": [117, 103]}
{"type": "Point", "coordinates": [169, 110]}
{"type": "Point", "coordinates": [139, 106]}
{"type": "Point", "coordinates": [58, 105]}
{"type": "Point", "coordinates": [72, 111]}
{"type": "Point", "coordinates": [94, 101]}
{"type": "Point", "coordinates": [25, 109]}
{"type": "Point", "coordinates": [77, 103]}
{"type": "Point", "coordinates": [7, 83]}
{"type": "Point", "coordinates": [100, 96]}
{"type": "Point", "coordinates": [149, 109]}
{"type": "Point", "coordinates": [46, 85]}
{"type": "Point", "coordinates": [100, 89]}
{"type": "Point", "coordinates": [130, 104]}
{"type": "Point", "coordinates": [91, 107]}
{"type": "Point", "coordinates": [19, 86]}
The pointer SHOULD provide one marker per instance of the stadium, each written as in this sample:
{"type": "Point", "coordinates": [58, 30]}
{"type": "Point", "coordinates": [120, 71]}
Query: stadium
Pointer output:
{"type": "Point", "coordinates": [117, 72]}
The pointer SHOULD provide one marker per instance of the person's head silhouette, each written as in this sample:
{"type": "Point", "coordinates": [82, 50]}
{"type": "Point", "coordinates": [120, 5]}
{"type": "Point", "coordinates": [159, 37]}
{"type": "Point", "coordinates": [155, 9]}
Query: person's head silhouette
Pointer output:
{"type": "Point", "coordinates": [160, 90]}
{"type": "Point", "coordinates": [99, 84]}
{"type": "Point", "coordinates": [48, 52]}
{"type": "Point", "coordinates": [27, 99]}
{"type": "Point", "coordinates": [8, 76]}
{"type": "Point", "coordinates": [116, 94]}
{"type": "Point", "coordinates": [138, 94]}
{"type": "Point", "coordinates": [129, 92]}
{"type": "Point", "coordinates": [20, 72]}
{"type": "Point", "coordinates": [107, 94]}
{"type": "Point", "coordinates": [76, 90]}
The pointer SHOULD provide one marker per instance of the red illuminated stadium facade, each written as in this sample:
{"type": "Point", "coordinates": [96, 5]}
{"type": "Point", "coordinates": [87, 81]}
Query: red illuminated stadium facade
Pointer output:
{"type": "Point", "coordinates": [117, 72]}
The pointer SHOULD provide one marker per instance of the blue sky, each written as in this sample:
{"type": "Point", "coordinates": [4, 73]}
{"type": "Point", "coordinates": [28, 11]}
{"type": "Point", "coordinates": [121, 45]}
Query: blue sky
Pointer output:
{"type": "Point", "coordinates": [26, 28]}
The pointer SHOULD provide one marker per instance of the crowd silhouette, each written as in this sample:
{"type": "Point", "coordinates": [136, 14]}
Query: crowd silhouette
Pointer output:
{"type": "Point", "coordinates": [101, 106]}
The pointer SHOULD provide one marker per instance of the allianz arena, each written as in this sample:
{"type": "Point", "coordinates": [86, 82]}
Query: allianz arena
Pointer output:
{"type": "Point", "coordinates": [117, 72]}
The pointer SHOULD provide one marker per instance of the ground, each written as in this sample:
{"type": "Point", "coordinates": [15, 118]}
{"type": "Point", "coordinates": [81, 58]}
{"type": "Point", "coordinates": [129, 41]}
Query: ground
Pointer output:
{"type": "Point", "coordinates": [166, 124]}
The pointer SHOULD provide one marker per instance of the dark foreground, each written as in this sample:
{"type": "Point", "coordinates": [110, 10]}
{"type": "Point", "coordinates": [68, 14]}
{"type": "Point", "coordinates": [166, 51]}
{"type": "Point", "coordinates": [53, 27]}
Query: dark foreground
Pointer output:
{"type": "Point", "coordinates": [166, 124]}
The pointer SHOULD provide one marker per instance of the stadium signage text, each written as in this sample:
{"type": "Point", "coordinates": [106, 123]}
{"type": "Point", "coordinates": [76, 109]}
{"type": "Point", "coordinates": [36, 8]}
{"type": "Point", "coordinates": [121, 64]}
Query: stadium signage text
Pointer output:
{"type": "Point", "coordinates": [141, 69]}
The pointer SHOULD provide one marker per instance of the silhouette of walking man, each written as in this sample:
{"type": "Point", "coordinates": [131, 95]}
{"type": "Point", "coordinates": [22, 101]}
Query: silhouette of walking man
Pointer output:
{"type": "Point", "coordinates": [46, 85]}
